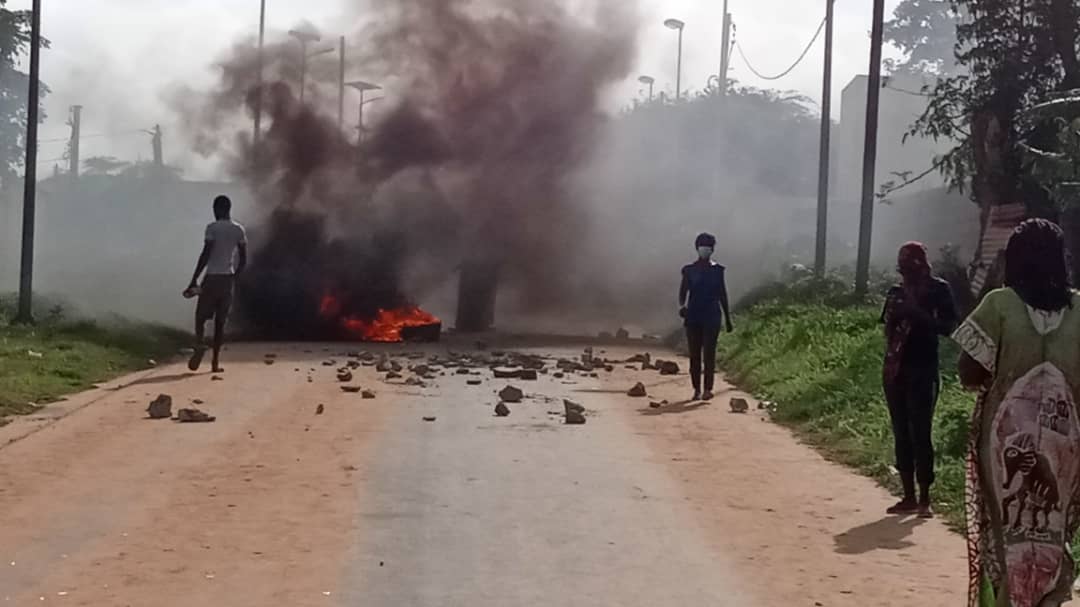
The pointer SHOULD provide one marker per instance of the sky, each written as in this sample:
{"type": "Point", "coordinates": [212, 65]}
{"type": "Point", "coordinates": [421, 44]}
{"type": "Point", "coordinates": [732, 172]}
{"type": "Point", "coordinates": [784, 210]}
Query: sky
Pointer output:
{"type": "Point", "coordinates": [119, 58]}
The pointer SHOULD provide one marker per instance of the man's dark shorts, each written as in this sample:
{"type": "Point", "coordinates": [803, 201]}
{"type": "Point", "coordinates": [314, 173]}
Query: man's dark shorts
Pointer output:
{"type": "Point", "coordinates": [216, 297]}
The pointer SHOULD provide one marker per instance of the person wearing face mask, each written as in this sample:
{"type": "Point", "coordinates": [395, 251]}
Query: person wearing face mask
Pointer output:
{"type": "Point", "coordinates": [703, 305]}
{"type": "Point", "coordinates": [916, 312]}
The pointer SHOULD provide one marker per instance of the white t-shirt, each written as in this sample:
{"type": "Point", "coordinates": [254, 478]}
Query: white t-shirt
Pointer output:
{"type": "Point", "coordinates": [225, 236]}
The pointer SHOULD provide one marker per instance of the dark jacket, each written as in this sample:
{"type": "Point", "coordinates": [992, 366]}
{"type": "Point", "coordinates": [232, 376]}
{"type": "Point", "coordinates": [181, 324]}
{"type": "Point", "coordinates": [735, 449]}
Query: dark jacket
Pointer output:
{"type": "Point", "coordinates": [707, 291]}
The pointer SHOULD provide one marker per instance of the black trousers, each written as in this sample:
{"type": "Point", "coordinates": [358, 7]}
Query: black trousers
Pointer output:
{"type": "Point", "coordinates": [912, 397]}
{"type": "Point", "coordinates": [702, 341]}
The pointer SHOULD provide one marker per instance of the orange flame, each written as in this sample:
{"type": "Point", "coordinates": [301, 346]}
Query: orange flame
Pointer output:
{"type": "Point", "coordinates": [387, 325]}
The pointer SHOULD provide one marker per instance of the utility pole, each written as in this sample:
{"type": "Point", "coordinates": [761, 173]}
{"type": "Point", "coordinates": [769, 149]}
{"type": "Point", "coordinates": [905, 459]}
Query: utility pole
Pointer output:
{"type": "Point", "coordinates": [679, 26]}
{"type": "Point", "coordinates": [155, 140]}
{"type": "Point", "coordinates": [25, 313]}
{"type": "Point", "coordinates": [341, 86]}
{"type": "Point", "coordinates": [826, 147]}
{"type": "Point", "coordinates": [259, 81]}
{"type": "Point", "coordinates": [873, 98]}
{"type": "Point", "coordinates": [725, 52]}
{"type": "Point", "coordinates": [73, 145]}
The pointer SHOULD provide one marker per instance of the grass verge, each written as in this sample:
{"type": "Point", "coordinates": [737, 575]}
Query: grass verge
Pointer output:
{"type": "Point", "coordinates": [39, 364]}
{"type": "Point", "coordinates": [817, 353]}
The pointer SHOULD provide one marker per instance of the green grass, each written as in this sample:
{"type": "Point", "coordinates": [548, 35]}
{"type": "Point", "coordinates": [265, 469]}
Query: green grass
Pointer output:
{"type": "Point", "coordinates": [817, 353]}
{"type": "Point", "coordinates": [74, 355]}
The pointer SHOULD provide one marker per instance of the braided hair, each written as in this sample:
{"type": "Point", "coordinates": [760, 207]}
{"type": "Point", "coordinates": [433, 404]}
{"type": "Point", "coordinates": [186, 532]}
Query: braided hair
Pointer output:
{"type": "Point", "coordinates": [1036, 265]}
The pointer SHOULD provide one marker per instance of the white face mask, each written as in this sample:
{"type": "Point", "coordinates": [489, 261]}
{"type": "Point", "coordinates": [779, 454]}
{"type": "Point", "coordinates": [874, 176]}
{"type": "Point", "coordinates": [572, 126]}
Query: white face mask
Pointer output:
{"type": "Point", "coordinates": [705, 252]}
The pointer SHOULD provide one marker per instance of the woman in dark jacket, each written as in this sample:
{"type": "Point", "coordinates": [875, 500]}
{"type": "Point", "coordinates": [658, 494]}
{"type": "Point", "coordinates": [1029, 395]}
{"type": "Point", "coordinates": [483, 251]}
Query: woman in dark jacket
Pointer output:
{"type": "Point", "coordinates": [703, 304]}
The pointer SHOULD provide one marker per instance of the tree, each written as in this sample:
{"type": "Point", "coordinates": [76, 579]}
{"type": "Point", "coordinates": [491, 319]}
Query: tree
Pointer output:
{"type": "Point", "coordinates": [14, 44]}
{"type": "Point", "coordinates": [1016, 54]}
{"type": "Point", "coordinates": [925, 32]}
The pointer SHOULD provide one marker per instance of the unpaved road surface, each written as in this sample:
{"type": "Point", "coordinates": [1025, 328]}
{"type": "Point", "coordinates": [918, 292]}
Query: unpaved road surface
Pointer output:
{"type": "Point", "coordinates": [370, 505]}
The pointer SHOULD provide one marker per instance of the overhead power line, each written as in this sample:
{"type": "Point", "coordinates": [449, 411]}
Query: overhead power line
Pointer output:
{"type": "Point", "coordinates": [65, 139]}
{"type": "Point", "coordinates": [806, 51]}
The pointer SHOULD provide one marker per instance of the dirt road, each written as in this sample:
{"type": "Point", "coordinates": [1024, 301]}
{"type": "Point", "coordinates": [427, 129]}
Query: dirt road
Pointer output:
{"type": "Point", "coordinates": [368, 504]}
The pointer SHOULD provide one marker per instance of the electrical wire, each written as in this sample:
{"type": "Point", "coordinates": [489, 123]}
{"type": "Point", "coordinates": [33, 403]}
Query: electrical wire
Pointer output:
{"type": "Point", "coordinates": [798, 61]}
{"type": "Point", "coordinates": [65, 139]}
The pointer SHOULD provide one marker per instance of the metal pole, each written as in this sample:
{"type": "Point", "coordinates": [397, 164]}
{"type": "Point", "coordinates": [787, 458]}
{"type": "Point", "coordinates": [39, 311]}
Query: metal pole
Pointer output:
{"type": "Point", "coordinates": [678, 70]}
{"type": "Point", "coordinates": [651, 91]}
{"type": "Point", "coordinates": [303, 69]}
{"type": "Point", "coordinates": [873, 98]}
{"type": "Point", "coordinates": [826, 147]}
{"type": "Point", "coordinates": [360, 122]}
{"type": "Point", "coordinates": [76, 135]}
{"type": "Point", "coordinates": [259, 90]}
{"type": "Point", "coordinates": [26, 275]}
{"type": "Point", "coordinates": [341, 86]}
{"type": "Point", "coordinates": [724, 53]}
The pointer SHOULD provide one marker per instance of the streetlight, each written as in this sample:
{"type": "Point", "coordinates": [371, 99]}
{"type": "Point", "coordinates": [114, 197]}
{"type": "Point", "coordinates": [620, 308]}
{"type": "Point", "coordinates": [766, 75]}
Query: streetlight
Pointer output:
{"type": "Point", "coordinates": [363, 87]}
{"type": "Point", "coordinates": [305, 38]}
{"type": "Point", "coordinates": [675, 24]}
{"type": "Point", "coordinates": [649, 80]}
{"type": "Point", "coordinates": [259, 96]}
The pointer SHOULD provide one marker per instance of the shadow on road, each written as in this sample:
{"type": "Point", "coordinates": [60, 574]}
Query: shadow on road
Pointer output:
{"type": "Point", "coordinates": [157, 379]}
{"type": "Point", "coordinates": [685, 406]}
{"type": "Point", "coordinates": [889, 533]}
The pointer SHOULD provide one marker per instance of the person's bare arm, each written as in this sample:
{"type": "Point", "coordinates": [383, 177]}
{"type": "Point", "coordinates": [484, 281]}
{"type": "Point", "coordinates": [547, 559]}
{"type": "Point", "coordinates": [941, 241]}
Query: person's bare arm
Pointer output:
{"type": "Point", "coordinates": [973, 376]}
{"type": "Point", "coordinates": [241, 262]}
{"type": "Point", "coordinates": [724, 303]}
{"type": "Point", "coordinates": [684, 291]}
{"type": "Point", "coordinates": [204, 258]}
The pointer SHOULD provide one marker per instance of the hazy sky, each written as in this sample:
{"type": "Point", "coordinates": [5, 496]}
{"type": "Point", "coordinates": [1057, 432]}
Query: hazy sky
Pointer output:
{"type": "Point", "coordinates": [118, 57]}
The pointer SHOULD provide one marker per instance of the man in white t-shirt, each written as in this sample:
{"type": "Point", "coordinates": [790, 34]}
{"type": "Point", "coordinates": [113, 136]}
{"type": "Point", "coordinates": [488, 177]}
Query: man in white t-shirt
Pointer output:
{"type": "Point", "coordinates": [224, 257]}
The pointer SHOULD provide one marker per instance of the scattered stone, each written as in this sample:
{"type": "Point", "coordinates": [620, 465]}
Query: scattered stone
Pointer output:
{"type": "Point", "coordinates": [506, 373]}
{"type": "Point", "coordinates": [197, 401]}
{"type": "Point", "coordinates": [474, 382]}
{"type": "Point", "coordinates": [594, 375]}
{"type": "Point", "coordinates": [429, 419]}
{"type": "Point", "coordinates": [350, 389]}
{"type": "Point", "coordinates": [151, 362]}
{"type": "Point", "coordinates": [415, 381]}
{"type": "Point", "coordinates": [640, 358]}
{"type": "Point", "coordinates": [344, 376]}
{"type": "Point", "coordinates": [383, 365]}
{"type": "Point", "coordinates": [395, 366]}
{"type": "Point", "coordinates": [352, 354]}
{"type": "Point", "coordinates": [638, 390]}
{"type": "Point", "coordinates": [268, 361]}
{"type": "Point", "coordinates": [631, 367]}
{"type": "Point", "coordinates": [160, 407]}
{"type": "Point", "coordinates": [558, 375]}
{"type": "Point", "coordinates": [657, 405]}
{"type": "Point", "coordinates": [739, 405]}
{"type": "Point", "coordinates": [421, 369]}
{"type": "Point", "coordinates": [193, 416]}
{"type": "Point", "coordinates": [352, 364]}
{"type": "Point", "coordinates": [511, 394]}
{"type": "Point", "coordinates": [329, 363]}
{"type": "Point", "coordinates": [502, 410]}
{"type": "Point", "coordinates": [575, 413]}
{"type": "Point", "coordinates": [367, 394]}
{"type": "Point", "coordinates": [609, 368]}
{"type": "Point", "coordinates": [463, 371]}
{"type": "Point", "coordinates": [622, 334]}
{"type": "Point", "coordinates": [528, 375]}
{"type": "Point", "coordinates": [669, 367]}
{"type": "Point", "coordinates": [271, 355]}
{"type": "Point", "coordinates": [320, 409]}
{"type": "Point", "coordinates": [393, 375]}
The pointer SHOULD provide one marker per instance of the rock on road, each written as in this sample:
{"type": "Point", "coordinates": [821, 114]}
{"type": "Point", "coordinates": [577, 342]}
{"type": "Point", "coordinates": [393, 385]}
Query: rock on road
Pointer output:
{"type": "Point", "coordinates": [369, 504]}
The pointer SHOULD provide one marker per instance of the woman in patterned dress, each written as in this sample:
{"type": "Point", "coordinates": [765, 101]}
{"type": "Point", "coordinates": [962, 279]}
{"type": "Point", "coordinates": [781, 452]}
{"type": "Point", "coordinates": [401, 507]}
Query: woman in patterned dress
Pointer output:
{"type": "Point", "coordinates": [1021, 352]}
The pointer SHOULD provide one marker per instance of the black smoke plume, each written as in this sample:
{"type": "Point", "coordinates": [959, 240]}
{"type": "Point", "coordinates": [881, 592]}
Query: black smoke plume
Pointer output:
{"type": "Point", "coordinates": [489, 107]}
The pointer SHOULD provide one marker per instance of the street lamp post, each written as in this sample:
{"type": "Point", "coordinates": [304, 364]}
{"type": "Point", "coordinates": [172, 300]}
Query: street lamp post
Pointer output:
{"type": "Point", "coordinates": [304, 38]}
{"type": "Point", "coordinates": [363, 87]}
{"type": "Point", "coordinates": [675, 24]}
{"type": "Point", "coordinates": [25, 314]}
{"type": "Point", "coordinates": [649, 80]}
{"type": "Point", "coordinates": [259, 80]}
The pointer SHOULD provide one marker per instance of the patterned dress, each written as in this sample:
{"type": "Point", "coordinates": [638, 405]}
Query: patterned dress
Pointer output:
{"type": "Point", "coordinates": [1023, 472]}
